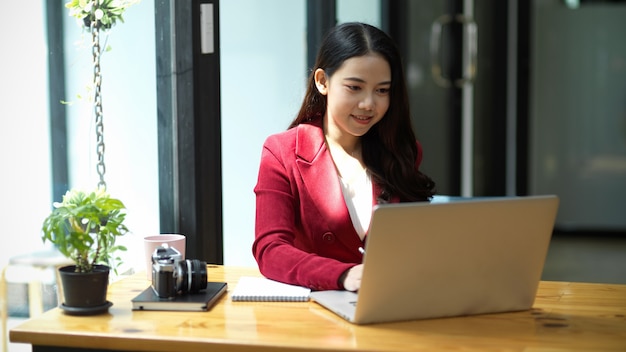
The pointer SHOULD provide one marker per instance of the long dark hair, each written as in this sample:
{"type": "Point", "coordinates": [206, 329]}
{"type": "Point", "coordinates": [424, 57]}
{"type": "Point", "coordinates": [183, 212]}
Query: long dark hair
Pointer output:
{"type": "Point", "coordinates": [389, 148]}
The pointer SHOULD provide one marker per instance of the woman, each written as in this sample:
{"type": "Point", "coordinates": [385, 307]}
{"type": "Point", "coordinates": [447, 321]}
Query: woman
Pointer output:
{"type": "Point", "coordinates": [351, 146]}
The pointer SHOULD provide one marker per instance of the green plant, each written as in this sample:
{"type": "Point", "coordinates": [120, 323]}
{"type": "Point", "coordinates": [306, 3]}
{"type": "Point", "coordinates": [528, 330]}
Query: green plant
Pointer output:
{"type": "Point", "coordinates": [104, 12]}
{"type": "Point", "coordinates": [85, 226]}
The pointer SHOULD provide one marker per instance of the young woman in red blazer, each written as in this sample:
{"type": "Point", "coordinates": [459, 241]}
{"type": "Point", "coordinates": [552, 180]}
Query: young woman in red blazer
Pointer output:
{"type": "Point", "coordinates": [351, 146]}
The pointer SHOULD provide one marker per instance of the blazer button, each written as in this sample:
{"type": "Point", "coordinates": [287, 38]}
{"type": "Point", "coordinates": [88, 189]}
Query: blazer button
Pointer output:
{"type": "Point", "coordinates": [329, 237]}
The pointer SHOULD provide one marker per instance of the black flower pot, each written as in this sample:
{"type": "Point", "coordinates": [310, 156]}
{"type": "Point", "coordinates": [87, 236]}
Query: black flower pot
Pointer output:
{"type": "Point", "coordinates": [85, 293]}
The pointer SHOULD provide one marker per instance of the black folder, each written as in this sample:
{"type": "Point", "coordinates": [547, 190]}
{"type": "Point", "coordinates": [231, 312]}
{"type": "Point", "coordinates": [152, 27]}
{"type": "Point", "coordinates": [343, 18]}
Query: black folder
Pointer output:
{"type": "Point", "coordinates": [199, 301]}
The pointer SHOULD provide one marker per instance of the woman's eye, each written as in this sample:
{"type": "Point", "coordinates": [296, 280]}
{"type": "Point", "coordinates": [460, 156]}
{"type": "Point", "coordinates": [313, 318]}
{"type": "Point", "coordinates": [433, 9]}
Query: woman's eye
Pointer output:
{"type": "Point", "coordinates": [355, 88]}
{"type": "Point", "coordinates": [383, 91]}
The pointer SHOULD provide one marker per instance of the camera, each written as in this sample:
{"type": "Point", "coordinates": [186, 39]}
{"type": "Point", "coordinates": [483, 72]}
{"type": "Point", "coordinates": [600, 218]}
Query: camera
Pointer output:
{"type": "Point", "coordinates": [172, 275]}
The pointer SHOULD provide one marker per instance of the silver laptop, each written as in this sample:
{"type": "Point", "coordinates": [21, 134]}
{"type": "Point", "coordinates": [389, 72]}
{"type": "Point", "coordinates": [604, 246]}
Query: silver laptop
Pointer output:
{"type": "Point", "coordinates": [451, 258]}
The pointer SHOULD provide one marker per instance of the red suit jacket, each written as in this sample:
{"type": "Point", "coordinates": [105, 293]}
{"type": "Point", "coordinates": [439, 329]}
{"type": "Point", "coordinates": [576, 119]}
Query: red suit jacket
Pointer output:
{"type": "Point", "coordinates": [303, 232]}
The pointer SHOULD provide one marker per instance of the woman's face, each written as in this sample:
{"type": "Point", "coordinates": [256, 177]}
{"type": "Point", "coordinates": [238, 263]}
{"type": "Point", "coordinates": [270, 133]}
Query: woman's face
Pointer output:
{"type": "Point", "coordinates": [357, 95]}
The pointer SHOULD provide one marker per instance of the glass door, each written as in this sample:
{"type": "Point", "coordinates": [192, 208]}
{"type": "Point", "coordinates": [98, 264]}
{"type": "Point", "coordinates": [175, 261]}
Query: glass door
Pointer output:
{"type": "Point", "coordinates": [455, 55]}
{"type": "Point", "coordinates": [433, 57]}
{"type": "Point", "coordinates": [577, 111]}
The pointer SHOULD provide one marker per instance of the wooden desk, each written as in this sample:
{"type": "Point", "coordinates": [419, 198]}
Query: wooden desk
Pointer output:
{"type": "Point", "coordinates": [566, 317]}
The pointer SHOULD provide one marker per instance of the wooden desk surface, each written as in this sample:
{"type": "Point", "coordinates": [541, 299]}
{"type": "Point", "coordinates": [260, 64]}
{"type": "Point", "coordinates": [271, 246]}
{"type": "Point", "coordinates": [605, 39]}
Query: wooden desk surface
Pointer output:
{"type": "Point", "coordinates": [566, 317]}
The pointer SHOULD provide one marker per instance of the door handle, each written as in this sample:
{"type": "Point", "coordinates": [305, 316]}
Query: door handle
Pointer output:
{"type": "Point", "coordinates": [470, 50]}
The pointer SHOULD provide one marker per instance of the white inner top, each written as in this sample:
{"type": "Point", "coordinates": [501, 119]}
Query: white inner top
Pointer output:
{"type": "Point", "coordinates": [357, 192]}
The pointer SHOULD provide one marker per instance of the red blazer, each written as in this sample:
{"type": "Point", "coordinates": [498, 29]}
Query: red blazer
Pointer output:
{"type": "Point", "coordinates": [303, 231]}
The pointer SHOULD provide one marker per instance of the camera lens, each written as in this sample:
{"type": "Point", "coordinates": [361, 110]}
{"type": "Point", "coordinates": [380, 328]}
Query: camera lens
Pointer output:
{"type": "Point", "coordinates": [192, 276]}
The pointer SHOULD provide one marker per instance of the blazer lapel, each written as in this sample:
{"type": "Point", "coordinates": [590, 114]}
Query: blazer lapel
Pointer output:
{"type": "Point", "coordinates": [321, 182]}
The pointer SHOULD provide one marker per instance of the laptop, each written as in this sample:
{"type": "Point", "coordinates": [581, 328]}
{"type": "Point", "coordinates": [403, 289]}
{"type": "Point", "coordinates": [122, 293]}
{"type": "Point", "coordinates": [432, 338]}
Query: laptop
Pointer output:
{"type": "Point", "coordinates": [449, 258]}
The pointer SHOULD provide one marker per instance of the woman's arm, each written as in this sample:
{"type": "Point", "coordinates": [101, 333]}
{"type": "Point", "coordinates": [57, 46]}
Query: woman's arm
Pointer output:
{"type": "Point", "coordinates": [282, 247]}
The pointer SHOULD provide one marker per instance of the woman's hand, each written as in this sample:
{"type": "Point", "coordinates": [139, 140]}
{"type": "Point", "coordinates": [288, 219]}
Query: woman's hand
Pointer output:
{"type": "Point", "coordinates": [352, 281]}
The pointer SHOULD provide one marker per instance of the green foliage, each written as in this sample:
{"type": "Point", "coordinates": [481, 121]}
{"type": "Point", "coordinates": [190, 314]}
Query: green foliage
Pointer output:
{"type": "Point", "coordinates": [85, 226]}
{"type": "Point", "coordinates": [103, 12]}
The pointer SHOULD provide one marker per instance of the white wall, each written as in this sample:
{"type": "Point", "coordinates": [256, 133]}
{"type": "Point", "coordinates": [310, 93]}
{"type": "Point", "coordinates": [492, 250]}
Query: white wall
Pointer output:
{"type": "Point", "coordinates": [367, 11]}
{"type": "Point", "coordinates": [24, 139]}
{"type": "Point", "coordinates": [263, 74]}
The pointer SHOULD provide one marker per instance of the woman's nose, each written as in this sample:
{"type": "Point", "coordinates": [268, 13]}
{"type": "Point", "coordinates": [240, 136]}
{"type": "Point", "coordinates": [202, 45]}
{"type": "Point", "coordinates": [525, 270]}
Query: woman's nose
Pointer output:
{"type": "Point", "coordinates": [367, 103]}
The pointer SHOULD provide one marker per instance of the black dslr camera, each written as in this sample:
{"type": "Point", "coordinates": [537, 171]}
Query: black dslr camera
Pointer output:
{"type": "Point", "coordinates": [171, 275]}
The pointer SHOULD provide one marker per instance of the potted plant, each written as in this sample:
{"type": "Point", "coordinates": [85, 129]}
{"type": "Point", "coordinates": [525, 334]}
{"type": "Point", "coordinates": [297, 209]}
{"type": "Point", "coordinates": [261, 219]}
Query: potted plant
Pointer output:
{"type": "Point", "coordinates": [84, 227]}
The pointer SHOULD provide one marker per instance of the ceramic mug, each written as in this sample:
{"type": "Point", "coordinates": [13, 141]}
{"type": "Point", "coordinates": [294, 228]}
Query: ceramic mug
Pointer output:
{"type": "Point", "coordinates": [152, 242]}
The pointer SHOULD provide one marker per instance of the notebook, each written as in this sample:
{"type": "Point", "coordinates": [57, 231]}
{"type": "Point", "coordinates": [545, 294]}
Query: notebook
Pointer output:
{"type": "Point", "coordinates": [260, 289]}
{"type": "Point", "coordinates": [199, 301]}
{"type": "Point", "coordinates": [456, 258]}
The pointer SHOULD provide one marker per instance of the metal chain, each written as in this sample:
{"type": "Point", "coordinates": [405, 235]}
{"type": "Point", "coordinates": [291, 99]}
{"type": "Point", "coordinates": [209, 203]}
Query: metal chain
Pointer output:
{"type": "Point", "coordinates": [97, 102]}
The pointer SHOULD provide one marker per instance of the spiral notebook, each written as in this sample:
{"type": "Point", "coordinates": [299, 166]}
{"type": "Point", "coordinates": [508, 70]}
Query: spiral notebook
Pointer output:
{"type": "Point", "coordinates": [260, 289]}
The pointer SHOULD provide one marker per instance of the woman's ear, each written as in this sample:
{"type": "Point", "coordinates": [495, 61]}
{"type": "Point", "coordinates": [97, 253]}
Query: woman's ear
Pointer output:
{"type": "Point", "coordinates": [321, 81]}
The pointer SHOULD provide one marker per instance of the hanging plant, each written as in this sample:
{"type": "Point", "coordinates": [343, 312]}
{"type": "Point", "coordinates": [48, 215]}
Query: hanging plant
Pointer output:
{"type": "Point", "coordinates": [97, 15]}
{"type": "Point", "coordinates": [104, 13]}
{"type": "Point", "coordinates": [85, 225]}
